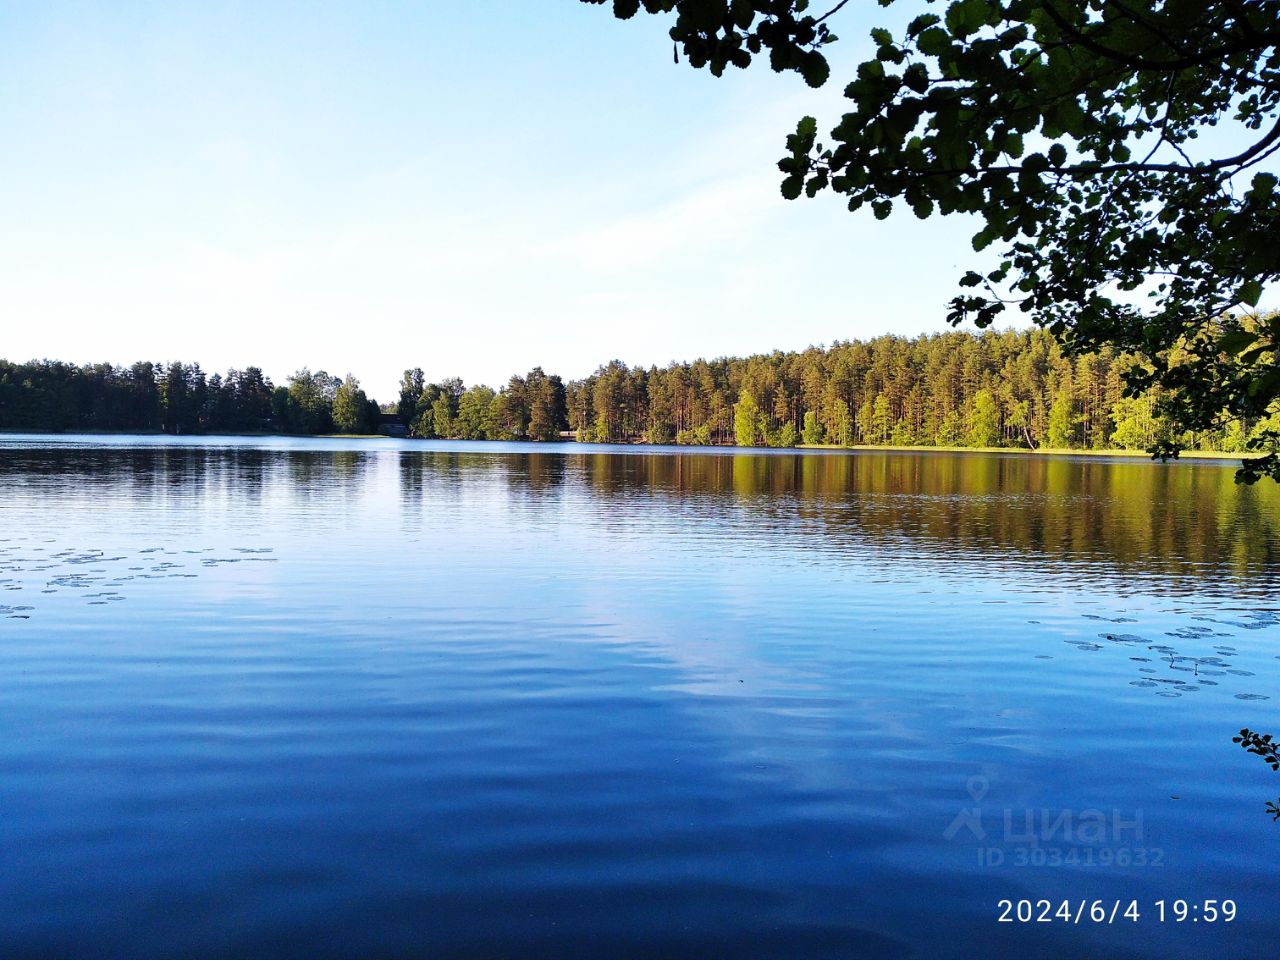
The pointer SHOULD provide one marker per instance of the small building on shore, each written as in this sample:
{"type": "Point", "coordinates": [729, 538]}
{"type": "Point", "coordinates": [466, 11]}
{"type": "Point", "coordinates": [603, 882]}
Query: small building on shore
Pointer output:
{"type": "Point", "coordinates": [392, 425]}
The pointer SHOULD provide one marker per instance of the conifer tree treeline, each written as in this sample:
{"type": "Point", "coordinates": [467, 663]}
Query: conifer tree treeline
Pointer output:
{"type": "Point", "coordinates": [177, 398]}
{"type": "Point", "coordinates": [994, 389]}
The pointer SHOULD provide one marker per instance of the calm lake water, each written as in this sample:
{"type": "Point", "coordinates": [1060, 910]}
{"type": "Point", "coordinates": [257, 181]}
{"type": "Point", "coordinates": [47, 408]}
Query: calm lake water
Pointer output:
{"type": "Point", "coordinates": [387, 699]}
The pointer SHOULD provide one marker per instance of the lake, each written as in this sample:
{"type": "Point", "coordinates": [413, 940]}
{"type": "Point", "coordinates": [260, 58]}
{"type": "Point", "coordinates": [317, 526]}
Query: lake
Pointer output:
{"type": "Point", "coordinates": [326, 698]}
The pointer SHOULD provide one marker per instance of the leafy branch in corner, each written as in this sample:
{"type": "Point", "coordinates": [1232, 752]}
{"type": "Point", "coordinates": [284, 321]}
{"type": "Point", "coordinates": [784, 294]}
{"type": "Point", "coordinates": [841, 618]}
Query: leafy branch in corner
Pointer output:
{"type": "Point", "coordinates": [1264, 746]}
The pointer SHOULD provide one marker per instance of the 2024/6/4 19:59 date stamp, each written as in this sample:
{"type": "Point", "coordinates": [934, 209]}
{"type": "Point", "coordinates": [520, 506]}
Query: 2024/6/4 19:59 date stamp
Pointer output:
{"type": "Point", "coordinates": [1115, 911]}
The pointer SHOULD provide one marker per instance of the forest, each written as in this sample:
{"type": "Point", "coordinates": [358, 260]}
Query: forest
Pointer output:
{"type": "Point", "coordinates": [1013, 388]}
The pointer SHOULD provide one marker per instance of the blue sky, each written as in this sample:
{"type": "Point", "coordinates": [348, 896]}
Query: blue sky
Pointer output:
{"type": "Point", "coordinates": [471, 188]}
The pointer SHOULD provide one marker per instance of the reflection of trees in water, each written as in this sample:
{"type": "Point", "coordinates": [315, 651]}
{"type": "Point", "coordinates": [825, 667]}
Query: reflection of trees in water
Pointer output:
{"type": "Point", "coordinates": [149, 473]}
{"type": "Point", "coordinates": [412, 478]}
{"type": "Point", "coordinates": [537, 473]}
{"type": "Point", "coordinates": [1118, 526]}
{"type": "Point", "coordinates": [1178, 519]}
{"type": "Point", "coordinates": [1182, 520]}
{"type": "Point", "coordinates": [448, 475]}
{"type": "Point", "coordinates": [441, 476]}
{"type": "Point", "coordinates": [143, 473]}
{"type": "Point", "coordinates": [315, 470]}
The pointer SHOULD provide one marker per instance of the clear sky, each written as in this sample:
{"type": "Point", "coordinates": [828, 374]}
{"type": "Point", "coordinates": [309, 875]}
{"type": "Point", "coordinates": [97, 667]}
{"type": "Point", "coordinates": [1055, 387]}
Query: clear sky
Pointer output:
{"type": "Point", "coordinates": [473, 188]}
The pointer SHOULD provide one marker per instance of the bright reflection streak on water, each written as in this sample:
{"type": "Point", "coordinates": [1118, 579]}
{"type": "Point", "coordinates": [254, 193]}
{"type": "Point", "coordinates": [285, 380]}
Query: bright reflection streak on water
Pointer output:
{"type": "Point", "coordinates": [325, 698]}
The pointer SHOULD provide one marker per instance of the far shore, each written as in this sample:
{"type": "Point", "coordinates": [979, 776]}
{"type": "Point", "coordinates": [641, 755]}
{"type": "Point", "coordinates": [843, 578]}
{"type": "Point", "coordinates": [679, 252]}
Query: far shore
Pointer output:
{"type": "Point", "coordinates": [1045, 451]}
{"type": "Point", "coordinates": [862, 448]}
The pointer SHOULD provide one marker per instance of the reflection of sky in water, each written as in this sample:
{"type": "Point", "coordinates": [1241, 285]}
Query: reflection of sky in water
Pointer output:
{"type": "Point", "coordinates": [609, 696]}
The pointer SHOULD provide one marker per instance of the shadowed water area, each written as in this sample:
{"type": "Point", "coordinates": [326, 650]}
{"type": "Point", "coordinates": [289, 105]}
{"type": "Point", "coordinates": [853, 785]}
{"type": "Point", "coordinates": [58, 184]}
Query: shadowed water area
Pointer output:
{"type": "Point", "coordinates": [390, 699]}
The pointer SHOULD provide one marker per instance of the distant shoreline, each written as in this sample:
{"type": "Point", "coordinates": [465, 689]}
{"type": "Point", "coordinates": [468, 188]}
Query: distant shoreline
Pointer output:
{"type": "Point", "coordinates": [1039, 451]}
{"type": "Point", "coordinates": [801, 447]}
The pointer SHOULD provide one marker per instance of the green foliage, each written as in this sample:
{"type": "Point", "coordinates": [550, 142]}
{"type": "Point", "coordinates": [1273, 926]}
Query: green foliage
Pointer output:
{"type": "Point", "coordinates": [813, 433]}
{"type": "Point", "coordinates": [500, 418]}
{"type": "Point", "coordinates": [717, 33]}
{"type": "Point", "coordinates": [424, 427]}
{"type": "Point", "coordinates": [310, 406]}
{"type": "Point", "coordinates": [746, 421]}
{"type": "Point", "coordinates": [984, 422]}
{"type": "Point", "coordinates": [950, 390]}
{"type": "Point", "coordinates": [351, 408]}
{"type": "Point", "coordinates": [1011, 388]}
{"type": "Point", "coordinates": [1018, 421]}
{"type": "Point", "coordinates": [841, 424]}
{"type": "Point", "coordinates": [442, 416]}
{"type": "Point", "coordinates": [545, 395]}
{"type": "Point", "coordinates": [1062, 422]}
{"type": "Point", "coordinates": [1137, 426]}
{"type": "Point", "coordinates": [1072, 130]}
{"type": "Point", "coordinates": [950, 430]}
{"type": "Point", "coordinates": [881, 423]}
{"type": "Point", "coordinates": [1234, 438]}
{"type": "Point", "coordinates": [412, 386]}
{"type": "Point", "coordinates": [864, 421]}
{"type": "Point", "coordinates": [901, 434]}
{"type": "Point", "coordinates": [1262, 745]}
{"type": "Point", "coordinates": [475, 406]}
{"type": "Point", "coordinates": [699, 436]}
{"type": "Point", "coordinates": [659, 433]}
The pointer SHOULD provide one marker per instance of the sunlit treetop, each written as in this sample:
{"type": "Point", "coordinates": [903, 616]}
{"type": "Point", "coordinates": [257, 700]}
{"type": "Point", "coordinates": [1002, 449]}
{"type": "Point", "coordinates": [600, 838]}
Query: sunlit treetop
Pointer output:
{"type": "Point", "coordinates": [1075, 130]}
